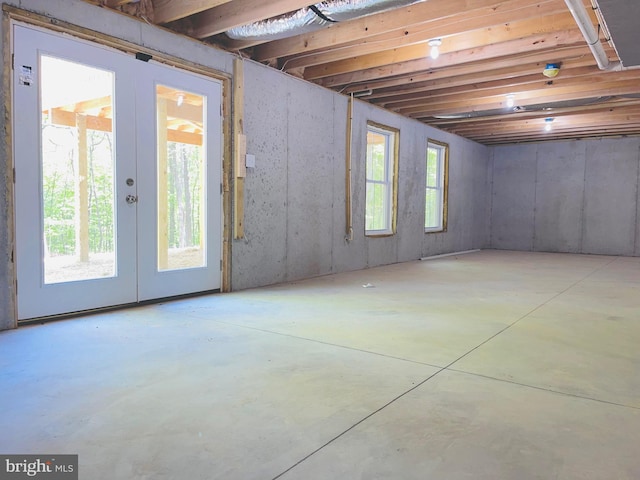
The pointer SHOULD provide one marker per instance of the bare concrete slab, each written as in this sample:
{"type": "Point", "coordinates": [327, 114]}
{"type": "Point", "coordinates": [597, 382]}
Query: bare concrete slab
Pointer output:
{"type": "Point", "coordinates": [488, 365]}
{"type": "Point", "coordinates": [464, 426]}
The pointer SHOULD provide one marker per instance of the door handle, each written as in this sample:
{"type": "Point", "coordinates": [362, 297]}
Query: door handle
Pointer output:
{"type": "Point", "coordinates": [131, 199]}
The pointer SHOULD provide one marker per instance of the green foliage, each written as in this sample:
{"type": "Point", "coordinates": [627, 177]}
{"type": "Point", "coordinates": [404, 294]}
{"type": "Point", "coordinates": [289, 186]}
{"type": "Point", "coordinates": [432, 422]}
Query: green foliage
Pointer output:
{"type": "Point", "coordinates": [59, 180]}
{"type": "Point", "coordinates": [59, 167]}
{"type": "Point", "coordinates": [184, 202]}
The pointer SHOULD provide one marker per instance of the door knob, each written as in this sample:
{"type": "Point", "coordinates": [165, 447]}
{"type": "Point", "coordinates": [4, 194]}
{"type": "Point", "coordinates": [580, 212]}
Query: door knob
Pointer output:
{"type": "Point", "coordinates": [131, 199]}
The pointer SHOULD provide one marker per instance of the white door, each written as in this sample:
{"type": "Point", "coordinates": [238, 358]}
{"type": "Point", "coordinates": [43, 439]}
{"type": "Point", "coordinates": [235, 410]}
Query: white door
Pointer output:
{"type": "Point", "coordinates": [179, 213]}
{"type": "Point", "coordinates": [118, 167]}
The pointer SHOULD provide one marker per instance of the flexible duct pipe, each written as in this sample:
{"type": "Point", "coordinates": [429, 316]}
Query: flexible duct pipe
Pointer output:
{"type": "Point", "coordinates": [312, 18]}
{"type": "Point", "coordinates": [581, 16]}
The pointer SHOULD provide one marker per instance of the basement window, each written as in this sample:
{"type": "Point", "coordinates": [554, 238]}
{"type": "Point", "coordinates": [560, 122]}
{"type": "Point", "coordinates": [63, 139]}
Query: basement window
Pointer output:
{"type": "Point", "coordinates": [437, 166]}
{"type": "Point", "coordinates": [381, 173]}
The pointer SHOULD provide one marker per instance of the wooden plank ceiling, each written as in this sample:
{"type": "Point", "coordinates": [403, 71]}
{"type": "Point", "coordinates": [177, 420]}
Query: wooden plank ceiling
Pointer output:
{"type": "Point", "coordinates": [490, 49]}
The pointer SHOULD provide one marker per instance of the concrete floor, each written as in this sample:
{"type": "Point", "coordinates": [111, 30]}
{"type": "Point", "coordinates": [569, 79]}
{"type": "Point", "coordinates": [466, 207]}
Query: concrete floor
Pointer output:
{"type": "Point", "coordinates": [490, 365]}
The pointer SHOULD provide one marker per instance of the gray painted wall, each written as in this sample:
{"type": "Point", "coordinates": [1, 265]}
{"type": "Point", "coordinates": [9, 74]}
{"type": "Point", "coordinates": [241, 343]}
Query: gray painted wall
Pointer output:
{"type": "Point", "coordinates": [580, 196]}
{"type": "Point", "coordinates": [295, 197]}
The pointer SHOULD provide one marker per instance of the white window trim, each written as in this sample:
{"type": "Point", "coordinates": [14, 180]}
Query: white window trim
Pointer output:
{"type": "Point", "coordinates": [442, 173]}
{"type": "Point", "coordinates": [390, 178]}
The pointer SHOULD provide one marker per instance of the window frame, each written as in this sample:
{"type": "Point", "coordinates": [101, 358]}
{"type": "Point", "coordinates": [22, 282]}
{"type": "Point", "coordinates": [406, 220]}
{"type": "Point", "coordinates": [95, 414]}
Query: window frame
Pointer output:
{"type": "Point", "coordinates": [391, 177]}
{"type": "Point", "coordinates": [442, 187]}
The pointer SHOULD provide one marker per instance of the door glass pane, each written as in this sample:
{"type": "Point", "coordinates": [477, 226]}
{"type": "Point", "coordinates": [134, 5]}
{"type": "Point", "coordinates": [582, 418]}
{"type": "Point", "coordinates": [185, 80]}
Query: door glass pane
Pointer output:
{"type": "Point", "coordinates": [77, 171]}
{"type": "Point", "coordinates": [181, 179]}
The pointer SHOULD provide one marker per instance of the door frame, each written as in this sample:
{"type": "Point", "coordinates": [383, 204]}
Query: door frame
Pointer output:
{"type": "Point", "coordinates": [13, 15]}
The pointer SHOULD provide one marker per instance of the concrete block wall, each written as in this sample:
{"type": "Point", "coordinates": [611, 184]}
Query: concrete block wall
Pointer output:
{"type": "Point", "coordinates": [579, 196]}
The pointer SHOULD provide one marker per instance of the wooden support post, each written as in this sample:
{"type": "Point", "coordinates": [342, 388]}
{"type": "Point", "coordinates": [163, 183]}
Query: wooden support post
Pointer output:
{"type": "Point", "coordinates": [227, 187]}
{"type": "Point", "coordinates": [238, 153]}
{"type": "Point", "coordinates": [348, 201]}
{"type": "Point", "coordinates": [163, 186]}
{"type": "Point", "coordinates": [82, 191]}
{"type": "Point", "coordinates": [203, 187]}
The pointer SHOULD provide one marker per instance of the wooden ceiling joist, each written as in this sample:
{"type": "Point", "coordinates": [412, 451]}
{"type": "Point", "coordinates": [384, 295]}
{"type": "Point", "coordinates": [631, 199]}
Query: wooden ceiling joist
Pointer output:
{"type": "Point", "coordinates": [533, 98]}
{"type": "Point", "coordinates": [234, 14]}
{"type": "Point", "coordinates": [509, 67]}
{"type": "Point", "coordinates": [465, 27]}
{"type": "Point", "coordinates": [490, 49]}
{"type": "Point", "coordinates": [165, 11]}
{"type": "Point", "coordinates": [532, 88]}
{"type": "Point", "coordinates": [365, 28]}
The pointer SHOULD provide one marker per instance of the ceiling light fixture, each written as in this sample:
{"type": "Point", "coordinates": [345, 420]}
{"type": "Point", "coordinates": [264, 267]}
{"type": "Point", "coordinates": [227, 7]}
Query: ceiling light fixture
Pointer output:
{"type": "Point", "coordinates": [180, 99]}
{"type": "Point", "coordinates": [547, 124]}
{"type": "Point", "coordinates": [434, 44]}
{"type": "Point", "coordinates": [551, 70]}
{"type": "Point", "coordinates": [511, 100]}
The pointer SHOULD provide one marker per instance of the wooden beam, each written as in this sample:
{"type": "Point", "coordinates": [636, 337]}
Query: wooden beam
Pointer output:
{"type": "Point", "coordinates": [507, 51]}
{"type": "Point", "coordinates": [163, 185]}
{"type": "Point", "coordinates": [82, 191]}
{"type": "Point", "coordinates": [227, 182]}
{"type": "Point", "coordinates": [188, 113]}
{"type": "Point", "coordinates": [88, 105]}
{"type": "Point", "coordinates": [238, 135]}
{"type": "Point", "coordinates": [479, 81]}
{"type": "Point", "coordinates": [624, 119]}
{"type": "Point", "coordinates": [519, 64]}
{"type": "Point", "coordinates": [238, 12]}
{"type": "Point", "coordinates": [603, 108]}
{"type": "Point", "coordinates": [533, 97]}
{"type": "Point", "coordinates": [61, 117]}
{"type": "Point", "coordinates": [537, 136]}
{"type": "Point", "coordinates": [184, 137]}
{"type": "Point", "coordinates": [68, 119]}
{"type": "Point", "coordinates": [115, 3]}
{"type": "Point", "coordinates": [165, 11]}
{"type": "Point", "coordinates": [417, 56]}
{"type": "Point", "coordinates": [380, 23]}
{"type": "Point", "coordinates": [454, 31]}
{"type": "Point", "coordinates": [558, 135]}
{"type": "Point", "coordinates": [348, 181]}
{"type": "Point", "coordinates": [519, 89]}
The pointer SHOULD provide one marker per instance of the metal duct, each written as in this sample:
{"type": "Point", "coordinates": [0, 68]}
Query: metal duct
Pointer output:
{"type": "Point", "coordinates": [591, 36]}
{"type": "Point", "coordinates": [312, 18]}
{"type": "Point", "coordinates": [620, 19]}
{"type": "Point", "coordinates": [579, 102]}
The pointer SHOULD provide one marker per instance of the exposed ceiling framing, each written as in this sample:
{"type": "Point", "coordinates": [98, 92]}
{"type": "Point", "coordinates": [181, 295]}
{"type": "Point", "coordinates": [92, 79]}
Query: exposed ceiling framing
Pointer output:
{"type": "Point", "coordinates": [490, 49]}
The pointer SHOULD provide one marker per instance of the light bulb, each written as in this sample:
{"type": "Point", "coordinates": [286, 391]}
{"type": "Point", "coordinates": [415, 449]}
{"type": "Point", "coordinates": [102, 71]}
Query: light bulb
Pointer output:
{"type": "Point", "coordinates": [434, 44]}
{"type": "Point", "coordinates": [180, 99]}
{"type": "Point", "coordinates": [511, 100]}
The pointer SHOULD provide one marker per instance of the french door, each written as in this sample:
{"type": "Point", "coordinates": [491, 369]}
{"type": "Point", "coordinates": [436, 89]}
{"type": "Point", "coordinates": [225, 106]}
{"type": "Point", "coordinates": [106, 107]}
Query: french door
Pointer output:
{"type": "Point", "coordinates": [118, 172]}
